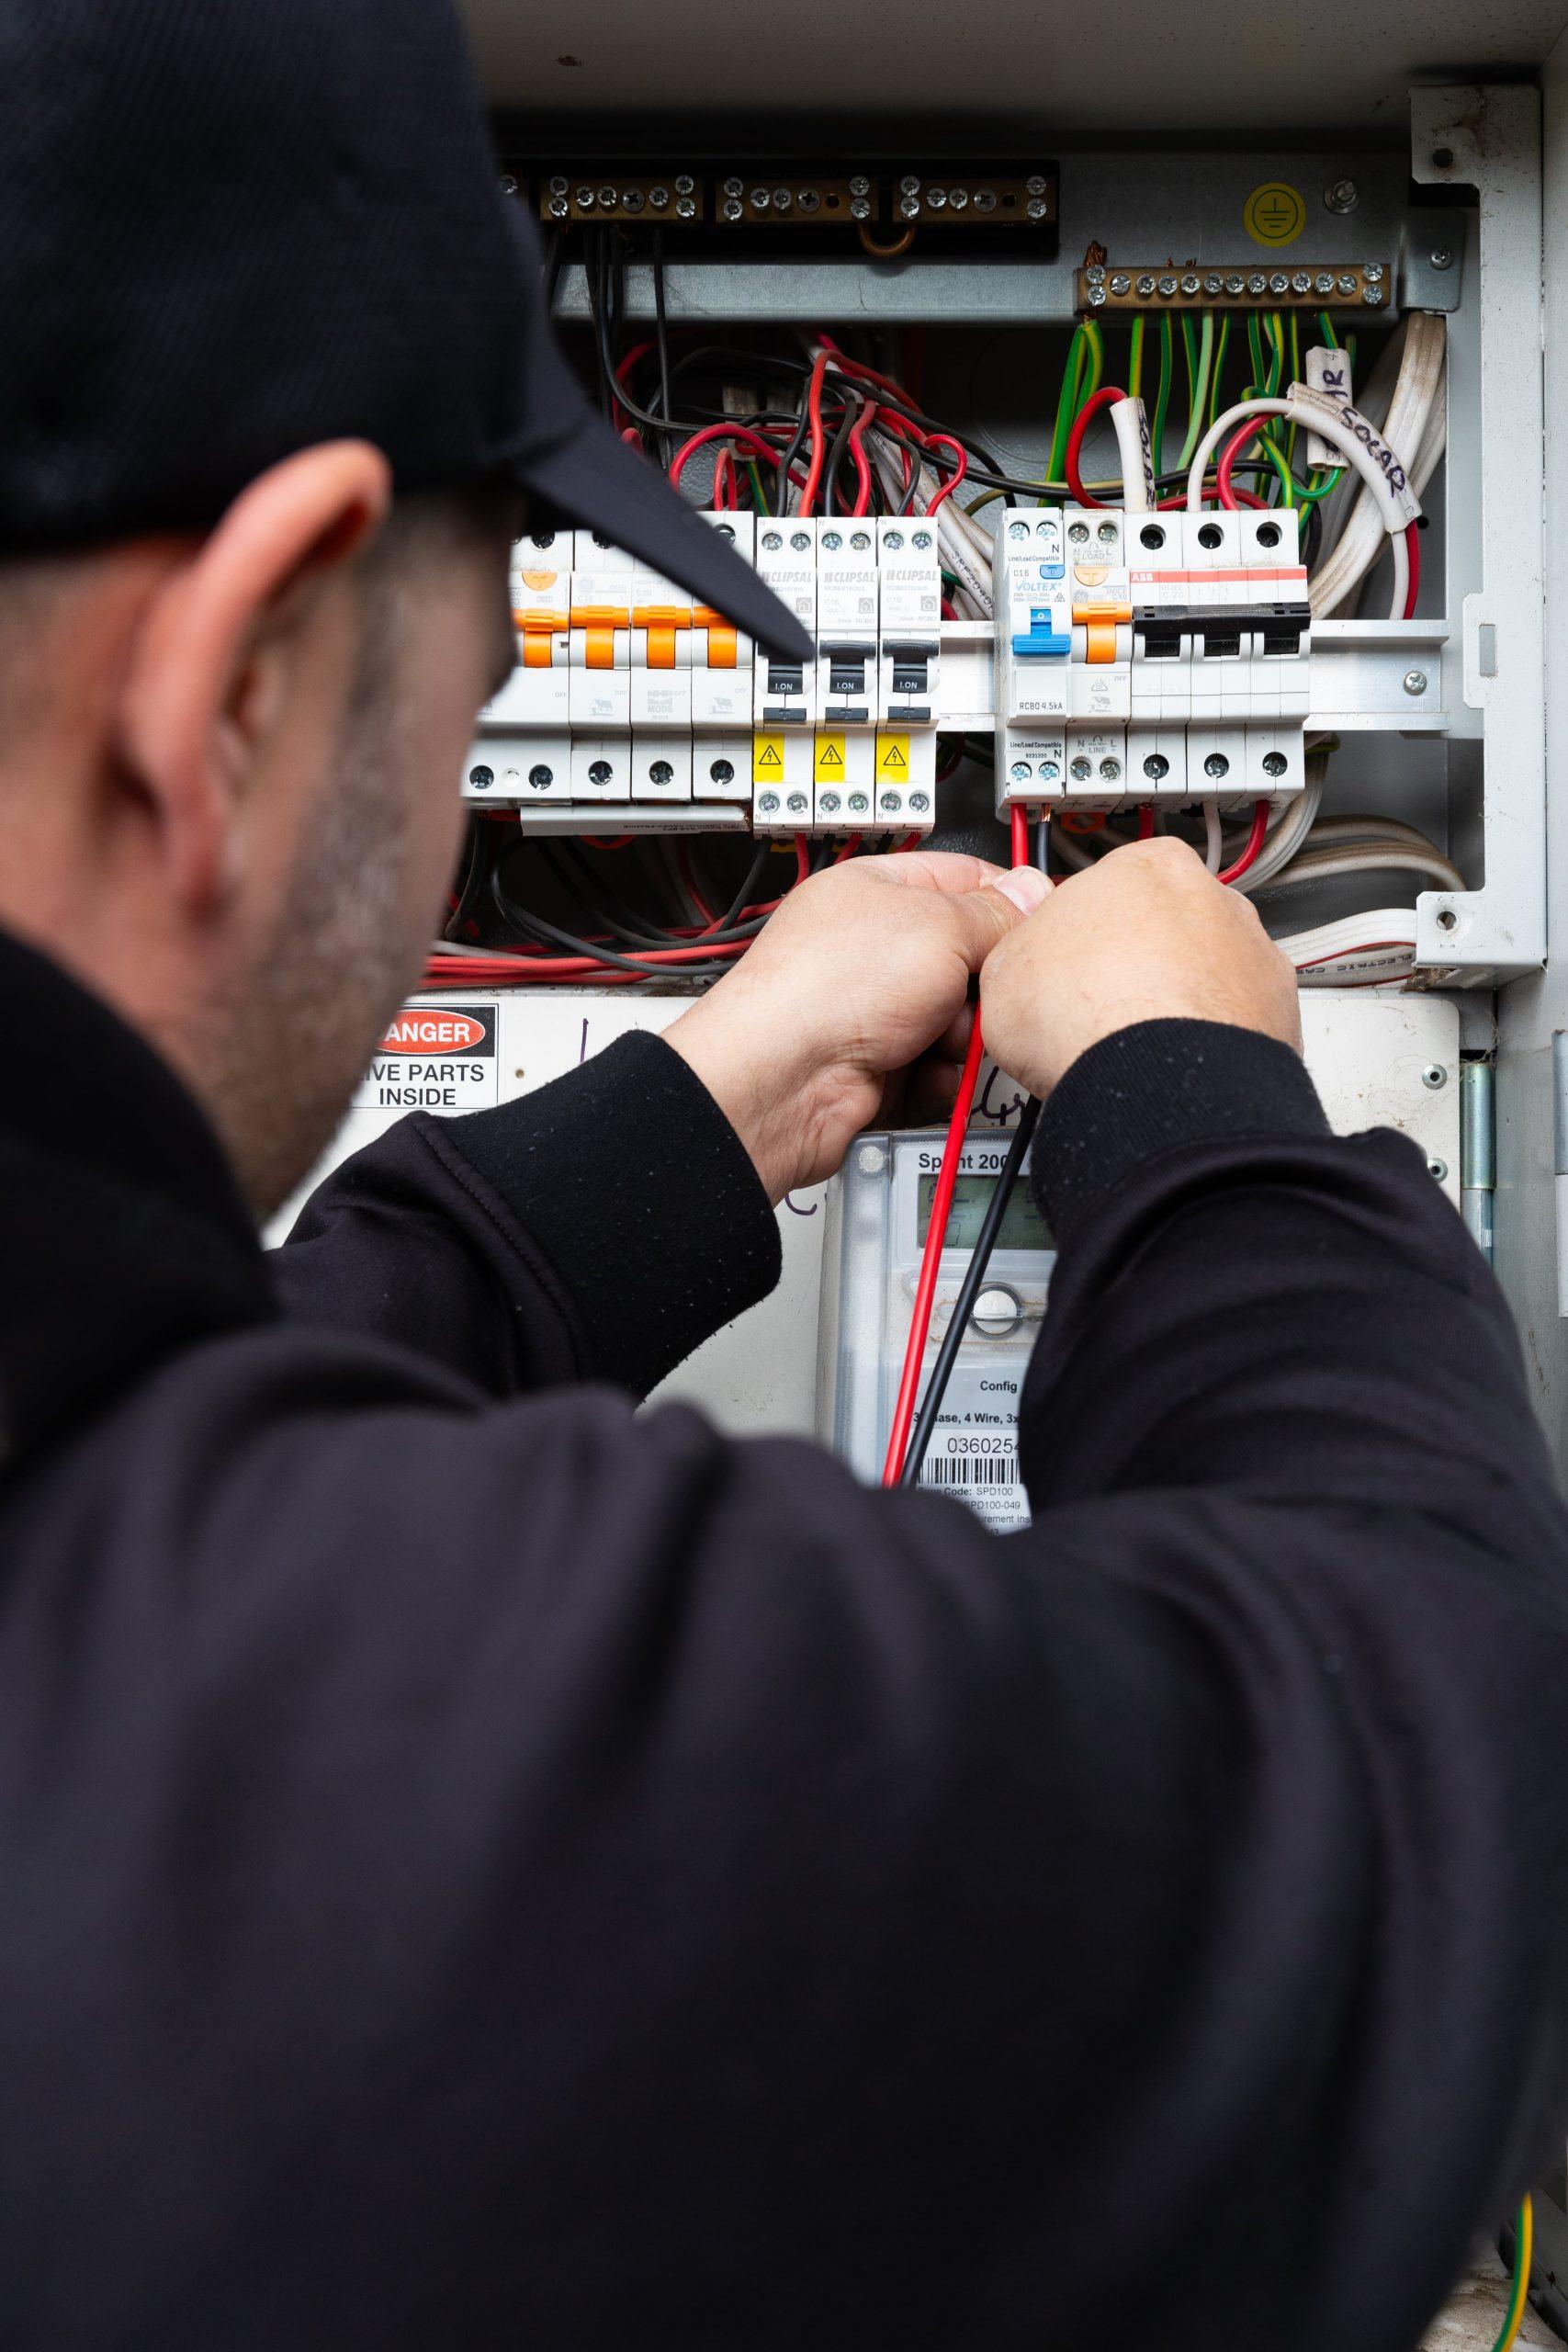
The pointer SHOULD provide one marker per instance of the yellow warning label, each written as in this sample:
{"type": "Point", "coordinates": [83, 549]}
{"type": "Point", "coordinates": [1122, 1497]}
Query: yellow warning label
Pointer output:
{"type": "Point", "coordinates": [767, 759]}
{"type": "Point", "coordinates": [1274, 214]}
{"type": "Point", "coordinates": [829, 767]}
{"type": "Point", "coordinates": [892, 757]}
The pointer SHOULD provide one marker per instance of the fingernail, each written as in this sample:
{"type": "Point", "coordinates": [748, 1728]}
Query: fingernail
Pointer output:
{"type": "Point", "coordinates": [1025, 885]}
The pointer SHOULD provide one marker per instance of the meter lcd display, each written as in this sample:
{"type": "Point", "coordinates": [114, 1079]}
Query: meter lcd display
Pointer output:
{"type": "Point", "coordinates": [1023, 1227]}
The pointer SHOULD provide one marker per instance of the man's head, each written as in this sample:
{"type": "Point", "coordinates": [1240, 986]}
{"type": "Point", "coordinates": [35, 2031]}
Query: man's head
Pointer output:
{"type": "Point", "coordinates": [257, 267]}
{"type": "Point", "coordinates": [228, 765]}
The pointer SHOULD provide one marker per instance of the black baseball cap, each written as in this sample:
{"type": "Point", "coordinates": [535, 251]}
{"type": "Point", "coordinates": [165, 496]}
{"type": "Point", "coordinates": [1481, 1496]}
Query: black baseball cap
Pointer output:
{"type": "Point", "coordinates": [230, 228]}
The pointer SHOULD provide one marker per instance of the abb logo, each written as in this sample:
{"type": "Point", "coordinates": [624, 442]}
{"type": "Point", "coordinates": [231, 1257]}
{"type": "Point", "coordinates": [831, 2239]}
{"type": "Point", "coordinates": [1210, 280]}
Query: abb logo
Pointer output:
{"type": "Point", "coordinates": [435, 1029]}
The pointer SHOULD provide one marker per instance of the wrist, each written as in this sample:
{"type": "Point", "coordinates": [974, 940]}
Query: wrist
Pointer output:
{"type": "Point", "coordinates": [763, 1095]}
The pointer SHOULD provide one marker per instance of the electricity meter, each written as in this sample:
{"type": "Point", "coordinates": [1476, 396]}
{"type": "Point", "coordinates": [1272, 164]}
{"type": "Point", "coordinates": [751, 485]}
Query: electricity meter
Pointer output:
{"type": "Point", "coordinates": [878, 1215]}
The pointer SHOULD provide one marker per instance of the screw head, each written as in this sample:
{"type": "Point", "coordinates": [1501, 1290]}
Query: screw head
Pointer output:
{"type": "Point", "coordinates": [1191, 284]}
{"type": "Point", "coordinates": [1167, 285]}
{"type": "Point", "coordinates": [722, 772]}
{"type": "Point", "coordinates": [890, 803]}
{"type": "Point", "coordinates": [685, 184]}
{"type": "Point", "coordinates": [860, 184]}
{"type": "Point", "coordinates": [508, 184]}
{"type": "Point", "coordinates": [909, 185]}
{"type": "Point", "coordinates": [541, 777]}
{"type": "Point", "coordinates": [860, 207]}
{"type": "Point", "coordinates": [661, 774]}
{"type": "Point", "coordinates": [1216, 765]}
{"type": "Point", "coordinates": [1018, 772]}
{"type": "Point", "coordinates": [768, 803]}
{"type": "Point", "coordinates": [894, 539]}
{"type": "Point", "coordinates": [1035, 184]}
{"type": "Point", "coordinates": [601, 774]}
{"type": "Point", "coordinates": [1121, 284]}
{"type": "Point", "coordinates": [558, 207]}
{"type": "Point", "coordinates": [783, 201]}
{"type": "Point", "coordinates": [797, 804]}
{"type": "Point", "coordinates": [920, 802]}
{"type": "Point", "coordinates": [559, 183]}
{"type": "Point", "coordinates": [732, 207]}
{"type": "Point", "coordinates": [908, 208]}
{"type": "Point", "coordinates": [481, 779]}
{"type": "Point", "coordinates": [1439, 1170]}
{"type": "Point", "coordinates": [922, 539]}
{"type": "Point", "coordinates": [1441, 257]}
{"type": "Point", "coordinates": [1146, 283]}
{"type": "Point", "coordinates": [1081, 769]}
{"type": "Point", "coordinates": [772, 541]}
{"type": "Point", "coordinates": [1434, 1076]}
{"type": "Point", "coordinates": [859, 803]}
{"type": "Point", "coordinates": [733, 188]}
{"type": "Point", "coordinates": [1036, 207]}
{"type": "Point", "coordinates": [760, 200]}
{"type": "Point", "coordinates": [686, 207]}
{"type": "Point", "coordinates": [936, 198]}
{"type": "Point", "coordinates": [1156, 766]}
{"type": "Point", "coordinates": [829, 804]}
{"type": "Point", "coordinates": [870, 1159]}
{"type": "Point", "coordinates": [1275, 764]}
{"type": "Point", "coordinates": [1346, 281]}
{"type": "Point", "coordinates": [1096, 298]}
{"type": "Point", "coordinates": [659, 198]}
{"type": "Point", "coordinates": [1341, 196]}
{"type": "Point", "coordinates": [1372, 296]}
{"type": "Point", "coordinates": [632, 200]}
{"type": "Point", "coordinates": [585, 199]}
{"type": "Point", "coordinates": [1415, 682]}
{"type": "Point", "coordinates": [832, 541]}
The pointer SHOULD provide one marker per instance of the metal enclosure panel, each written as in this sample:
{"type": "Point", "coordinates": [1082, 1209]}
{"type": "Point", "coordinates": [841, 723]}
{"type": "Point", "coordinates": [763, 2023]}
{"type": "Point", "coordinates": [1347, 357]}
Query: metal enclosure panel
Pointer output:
{"type": "Point", "coordinates": [1202, 67]}
{"type": "Point", "coordinates": [1530, 1240]}
{"type": "Point", "coordinates": [1490, 138]}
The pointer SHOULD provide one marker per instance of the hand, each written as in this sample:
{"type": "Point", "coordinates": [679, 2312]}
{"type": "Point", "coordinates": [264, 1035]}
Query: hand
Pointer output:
{"type": "Point", "coordinates": [1146, 935]}
{"type": "Point", "coordinates": [864, 970]}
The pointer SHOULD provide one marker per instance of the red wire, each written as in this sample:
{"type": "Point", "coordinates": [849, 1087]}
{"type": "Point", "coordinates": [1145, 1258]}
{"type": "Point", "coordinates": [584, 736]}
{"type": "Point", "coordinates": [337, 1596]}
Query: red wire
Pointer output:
{"type": "Point", "coordinates": [849, 849]}
{"type": "Point", "coordinates": [1019, 833]}
{"type": "Point", "coordinates": [1254, 844]}
{"type": "Point", "coordinates": [1413, 542]}
{"type": "Point", "coordinates": [1081, 423]}
{"type": "Point", "coordinates": [802, 857]}
{"type": "Point", "coordinates": [1146, 823]}
{"type": "Point", "coordinates": [617, 840]}
{"type": "Point", "coordinates": [714, 433]}
{"type": "Point", "coordinates": [861, 464]}
{"type": "Point", "coordinates": [947, 442]}
{"type": "Point", "coordinates": [819, 446]}
{"type": "Point", "coordinates": [930, 1261]}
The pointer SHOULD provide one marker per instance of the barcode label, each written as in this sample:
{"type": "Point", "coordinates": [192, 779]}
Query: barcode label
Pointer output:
{"type": "Point", "coordinates": [970, 1470]}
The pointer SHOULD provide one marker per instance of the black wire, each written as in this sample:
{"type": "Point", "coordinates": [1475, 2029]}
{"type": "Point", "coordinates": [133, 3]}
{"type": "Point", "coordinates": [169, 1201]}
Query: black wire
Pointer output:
{"type": "Point", "coordinates": [840, 444]}
{"type": "Point", "coordinates": [661, 332]}
{"type": "Point", "coordinates": [549, 935]}
{"type": "Point", "coordinates": [742, 897]}
{"type": "Point", "coordinates": [963, 1305]}
{"type": "Point", "coordinates": [554, 259]}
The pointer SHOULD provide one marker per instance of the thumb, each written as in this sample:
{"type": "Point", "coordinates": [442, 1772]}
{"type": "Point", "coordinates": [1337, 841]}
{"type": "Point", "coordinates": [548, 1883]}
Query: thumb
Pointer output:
{"type": "Point", "coordinates": [983, 918]}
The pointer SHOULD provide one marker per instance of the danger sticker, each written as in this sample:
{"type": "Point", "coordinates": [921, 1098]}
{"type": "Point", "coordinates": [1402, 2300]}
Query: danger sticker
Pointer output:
{"type": "Point", "coordinates": [438, 1058]}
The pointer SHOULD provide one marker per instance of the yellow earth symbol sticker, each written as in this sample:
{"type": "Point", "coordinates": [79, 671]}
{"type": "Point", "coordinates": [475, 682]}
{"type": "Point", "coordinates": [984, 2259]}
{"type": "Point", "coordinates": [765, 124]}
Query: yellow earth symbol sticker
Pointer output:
{"type": "Point", "coordinates": [1274, 214]}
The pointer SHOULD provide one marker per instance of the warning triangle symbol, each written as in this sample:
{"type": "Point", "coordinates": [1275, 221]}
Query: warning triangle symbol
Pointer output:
{"type": "Point", "coordinates": [893, 758]}
{"type": "Point", "coordinates": [768, 757]}
{"type": "Point", "coordinates": [831, 756]}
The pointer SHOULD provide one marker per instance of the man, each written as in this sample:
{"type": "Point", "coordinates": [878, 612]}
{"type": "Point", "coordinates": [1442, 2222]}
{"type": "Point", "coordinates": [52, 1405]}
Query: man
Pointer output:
{"type": "Point", "coordinates": [484, 1868]}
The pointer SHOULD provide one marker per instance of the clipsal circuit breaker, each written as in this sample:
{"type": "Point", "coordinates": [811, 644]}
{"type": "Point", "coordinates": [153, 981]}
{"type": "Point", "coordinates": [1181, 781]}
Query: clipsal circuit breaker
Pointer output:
{"type": "Point", "coordinates": [628, 692]}
{"type": "Point", "coordinates": [1150, 657]}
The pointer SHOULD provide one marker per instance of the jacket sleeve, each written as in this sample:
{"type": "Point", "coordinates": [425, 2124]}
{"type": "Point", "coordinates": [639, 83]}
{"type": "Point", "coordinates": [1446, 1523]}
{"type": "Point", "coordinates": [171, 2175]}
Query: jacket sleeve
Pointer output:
{"type": "Point", "coordinates": [596, 1883]}
{"type": "Point", "coordinates": [599, 1228]}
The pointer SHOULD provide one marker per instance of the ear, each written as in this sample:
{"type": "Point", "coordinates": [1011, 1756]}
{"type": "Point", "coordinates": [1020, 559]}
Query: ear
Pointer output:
{"type": "Point", "coordinates": [200, 697]}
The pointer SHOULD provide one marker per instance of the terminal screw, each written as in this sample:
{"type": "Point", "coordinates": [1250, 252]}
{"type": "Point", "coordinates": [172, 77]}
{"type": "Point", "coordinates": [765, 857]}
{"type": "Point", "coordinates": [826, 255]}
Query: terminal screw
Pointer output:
{"type": "Point", "coordinates": [1434, 1076]}
{"type": "Point", "coordinates": [1415, 682]}
{"type": "Point", "coordinates": [1441, 257]}
{"type": "Point", "coordinates": [1341, 196]}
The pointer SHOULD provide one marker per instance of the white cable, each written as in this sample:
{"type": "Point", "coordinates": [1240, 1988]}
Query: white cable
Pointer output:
{"type": "Point", "coordinates": [1132, 448]}
{"type": "Point", "coordinates": [1291, 831]}
{"type": "Point", "coordinates": [1318, 417]}
{"type": "Point", "coordinates": [1358, 951]}
{"type": "Point", "coordinates": [1333, 864]}
{"type": "Point", "coordinates": [1416, 424]}
{"type": "Point", "coordinates": [1399, 594]}
{"type": "Point", "coordinates": [1212, 835]}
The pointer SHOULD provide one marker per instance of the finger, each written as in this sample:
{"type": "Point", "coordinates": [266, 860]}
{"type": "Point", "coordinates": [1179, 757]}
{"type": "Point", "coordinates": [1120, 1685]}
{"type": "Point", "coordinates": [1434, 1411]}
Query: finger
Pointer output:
{"type": "Point", "coordinates": [950, 871]}
{"type": "Point", "coordinates": [981, 919]}
{"type": "Point", "coordinates": [955, 1039]}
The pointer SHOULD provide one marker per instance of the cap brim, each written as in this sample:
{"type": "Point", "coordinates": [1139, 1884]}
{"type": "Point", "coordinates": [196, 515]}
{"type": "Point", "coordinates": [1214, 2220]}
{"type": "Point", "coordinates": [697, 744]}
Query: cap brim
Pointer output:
{"type": "Point", "coordinates": [589, 476]}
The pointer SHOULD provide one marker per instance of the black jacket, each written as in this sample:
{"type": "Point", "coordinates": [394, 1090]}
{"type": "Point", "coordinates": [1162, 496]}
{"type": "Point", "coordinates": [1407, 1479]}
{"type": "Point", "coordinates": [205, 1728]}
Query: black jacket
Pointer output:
{"type": "Point", "coordinates": [478, 1867]}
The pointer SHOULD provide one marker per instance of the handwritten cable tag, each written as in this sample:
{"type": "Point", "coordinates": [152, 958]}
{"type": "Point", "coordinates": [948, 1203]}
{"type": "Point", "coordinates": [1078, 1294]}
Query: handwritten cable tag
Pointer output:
{"type": "Point", "coordinates": [1400, 505]}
